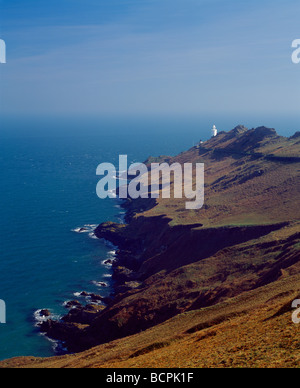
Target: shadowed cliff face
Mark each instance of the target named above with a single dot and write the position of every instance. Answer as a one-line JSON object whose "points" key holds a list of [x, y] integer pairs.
{"points": [[172, 261]]}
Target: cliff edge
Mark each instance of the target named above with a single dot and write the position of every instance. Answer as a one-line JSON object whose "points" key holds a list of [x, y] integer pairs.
{"points": [[176, 267]]}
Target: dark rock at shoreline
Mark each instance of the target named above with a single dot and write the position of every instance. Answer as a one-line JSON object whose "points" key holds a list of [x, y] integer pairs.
{"points": [[72, 304], [95, 297], [92, 296], [110, 231], [83, 314], [65, 332], [170, 259], [44, 313], [101, 284], [72, 326]]}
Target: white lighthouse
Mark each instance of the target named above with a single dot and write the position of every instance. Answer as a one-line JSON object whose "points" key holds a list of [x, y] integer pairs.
{"points": [[214, 131]]}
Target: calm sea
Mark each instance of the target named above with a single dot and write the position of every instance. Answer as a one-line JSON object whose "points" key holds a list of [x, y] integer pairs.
{"points": [[48, 190]]}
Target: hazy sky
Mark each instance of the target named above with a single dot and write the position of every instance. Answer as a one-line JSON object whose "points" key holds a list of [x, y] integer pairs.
{"points": [[107, 57]]}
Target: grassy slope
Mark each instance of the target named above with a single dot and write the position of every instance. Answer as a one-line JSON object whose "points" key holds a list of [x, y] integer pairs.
{"points": [[250, 330], [243, 276], [233, 194]]}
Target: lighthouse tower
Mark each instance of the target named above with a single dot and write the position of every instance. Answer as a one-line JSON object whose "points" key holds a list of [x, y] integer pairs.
{"points": [[214, 131]]}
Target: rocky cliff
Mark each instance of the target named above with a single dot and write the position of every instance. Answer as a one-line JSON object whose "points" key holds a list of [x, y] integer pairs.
{"points": [[172, 261]]}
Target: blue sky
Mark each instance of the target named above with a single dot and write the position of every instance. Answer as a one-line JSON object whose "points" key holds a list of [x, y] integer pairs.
{"points": [[149, 57]]}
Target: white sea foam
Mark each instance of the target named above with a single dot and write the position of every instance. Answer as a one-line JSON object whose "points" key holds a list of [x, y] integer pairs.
{"points": [[104, 262], [42, 318], [87, 228], [99, 284], [111, 257], [38, 317], [79, 230], [57, 346]]}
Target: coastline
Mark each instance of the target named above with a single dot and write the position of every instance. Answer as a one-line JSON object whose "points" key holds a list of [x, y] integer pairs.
{"points": [[79, 330], [84, 302], [61, 330], [165, 269]]}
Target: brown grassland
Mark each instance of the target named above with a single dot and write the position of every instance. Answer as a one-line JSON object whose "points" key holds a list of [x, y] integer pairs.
{"points": [[204, 288]]}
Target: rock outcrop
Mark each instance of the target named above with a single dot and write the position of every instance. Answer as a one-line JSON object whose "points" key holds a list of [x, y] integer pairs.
{"points": [[170, 261]]}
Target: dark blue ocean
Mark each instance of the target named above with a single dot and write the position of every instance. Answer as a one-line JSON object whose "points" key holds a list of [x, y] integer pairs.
{"points": [[48, 190]]}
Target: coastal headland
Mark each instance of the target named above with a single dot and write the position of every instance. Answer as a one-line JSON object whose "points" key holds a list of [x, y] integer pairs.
{"points": [[223, 276]]}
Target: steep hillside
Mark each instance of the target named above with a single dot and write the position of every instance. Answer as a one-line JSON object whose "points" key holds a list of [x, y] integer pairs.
{"points": [[222, 269], [252, 330]]}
